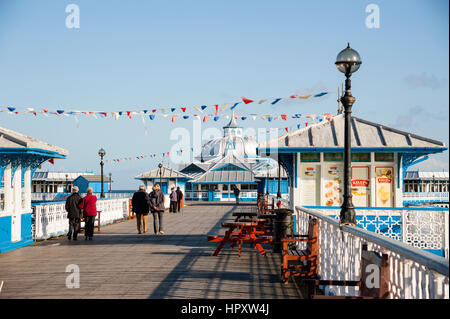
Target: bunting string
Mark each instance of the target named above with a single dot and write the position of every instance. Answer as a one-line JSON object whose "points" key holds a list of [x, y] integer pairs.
{"points": [[165, 112]]}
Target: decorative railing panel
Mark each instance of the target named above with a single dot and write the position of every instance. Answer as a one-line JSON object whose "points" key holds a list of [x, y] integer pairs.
{"points": [[414, 273]]}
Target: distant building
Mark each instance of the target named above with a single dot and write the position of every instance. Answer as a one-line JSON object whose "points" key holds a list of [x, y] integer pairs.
{"points": [[20, 156], [224, 162], [54, 182], [94, 181], [426, 188]]}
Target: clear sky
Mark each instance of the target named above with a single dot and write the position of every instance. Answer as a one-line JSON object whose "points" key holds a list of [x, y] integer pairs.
{"points": [[136, 54]]}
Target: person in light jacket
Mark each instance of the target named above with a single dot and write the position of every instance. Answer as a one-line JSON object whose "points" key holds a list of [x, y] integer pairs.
{"points": [[73, 213], [157, 209], [173, 200], [88, 206]]}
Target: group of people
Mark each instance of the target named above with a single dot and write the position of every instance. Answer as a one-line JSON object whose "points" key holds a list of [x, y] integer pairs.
{"points": [[176, 196], [81, 208], [142, 203]]}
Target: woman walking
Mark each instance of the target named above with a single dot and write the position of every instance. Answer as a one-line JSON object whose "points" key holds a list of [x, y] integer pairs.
{"points": [[173, 200], [88, 206], [157, 209]]}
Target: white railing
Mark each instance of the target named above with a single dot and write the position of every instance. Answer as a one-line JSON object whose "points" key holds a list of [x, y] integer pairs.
{"points": [[63, 196], [414, 273], [425, 228], [50, 220]]}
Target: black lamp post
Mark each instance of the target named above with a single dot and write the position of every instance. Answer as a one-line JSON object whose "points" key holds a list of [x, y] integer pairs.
{"points": [[67, 183], [267, 189], [102, 153], [160, 175], [279, 181], [110, 182], [348, 62]]}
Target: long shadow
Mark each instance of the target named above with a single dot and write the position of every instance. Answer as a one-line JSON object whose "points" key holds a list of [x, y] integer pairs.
{"points": [[218, 278]]}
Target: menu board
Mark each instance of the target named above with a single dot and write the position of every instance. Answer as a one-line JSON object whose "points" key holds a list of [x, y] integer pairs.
{"points": [[384, 193], [332, 185], [308, 178], [360, 186]]}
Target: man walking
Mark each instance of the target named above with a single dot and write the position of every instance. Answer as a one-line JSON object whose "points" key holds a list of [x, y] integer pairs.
{"points": [[179, 198], [141, 206], [236, 194], [73, 213]]}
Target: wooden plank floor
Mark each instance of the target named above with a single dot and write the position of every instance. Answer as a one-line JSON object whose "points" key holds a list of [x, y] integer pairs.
{"points": [[119, 263]]}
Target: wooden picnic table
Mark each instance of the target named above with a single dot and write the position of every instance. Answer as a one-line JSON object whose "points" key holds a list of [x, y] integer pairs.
{"points": [[239, 233], [238, 215]]}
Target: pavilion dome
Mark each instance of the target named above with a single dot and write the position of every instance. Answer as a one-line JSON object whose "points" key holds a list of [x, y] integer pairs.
{"points": [[233, 142]]}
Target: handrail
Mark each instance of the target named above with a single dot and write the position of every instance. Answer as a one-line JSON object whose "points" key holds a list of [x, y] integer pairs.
{"points": [[434, 262]]}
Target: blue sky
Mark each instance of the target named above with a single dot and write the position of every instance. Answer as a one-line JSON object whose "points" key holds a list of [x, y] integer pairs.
{"points": [[134, 54]]}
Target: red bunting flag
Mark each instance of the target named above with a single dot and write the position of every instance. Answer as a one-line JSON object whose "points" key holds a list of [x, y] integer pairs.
{"points": [[217, 109], [306, 124], [246, 101], [174, 117], [287, 130], [284, 117], [183, 109], [293, 96], [52, 161], [205, 118], [130, 114]]}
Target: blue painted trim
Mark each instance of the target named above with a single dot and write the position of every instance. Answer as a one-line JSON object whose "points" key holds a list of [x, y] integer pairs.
{"points": [[33, 151], [354, 149], [383, 208]]}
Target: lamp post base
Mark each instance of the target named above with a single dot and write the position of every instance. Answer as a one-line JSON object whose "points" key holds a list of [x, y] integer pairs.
{"points": [[348, 216]]}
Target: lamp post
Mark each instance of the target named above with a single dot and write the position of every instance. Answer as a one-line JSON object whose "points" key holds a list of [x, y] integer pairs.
{"points": [[279, 181], [102, 153], [160, 175], [267, 188], [110, 182], [67, 183], [348, 62]]}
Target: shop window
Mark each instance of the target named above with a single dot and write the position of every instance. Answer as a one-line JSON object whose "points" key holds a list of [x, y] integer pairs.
{"points": [[384, 157], [333, 157], [360, 157], [310, 157]]}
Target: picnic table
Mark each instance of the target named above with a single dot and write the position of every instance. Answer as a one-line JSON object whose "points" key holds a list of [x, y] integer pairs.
{"points": [[239, 233], [238, 215]]}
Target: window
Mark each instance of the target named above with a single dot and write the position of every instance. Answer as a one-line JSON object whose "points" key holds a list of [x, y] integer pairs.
{"points": [[384, 157], [360, 157], [225, 187], [229, 167], [310, 157], [333, 157]]}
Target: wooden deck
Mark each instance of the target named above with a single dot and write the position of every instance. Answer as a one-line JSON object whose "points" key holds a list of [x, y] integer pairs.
{"points": [[119, 263]]}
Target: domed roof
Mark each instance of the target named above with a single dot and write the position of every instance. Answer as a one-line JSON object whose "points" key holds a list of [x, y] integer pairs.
{"points": [[231, 143]]}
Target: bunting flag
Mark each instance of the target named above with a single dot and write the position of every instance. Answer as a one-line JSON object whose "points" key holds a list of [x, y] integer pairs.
{"points": [[246, 101], [52, 161]]}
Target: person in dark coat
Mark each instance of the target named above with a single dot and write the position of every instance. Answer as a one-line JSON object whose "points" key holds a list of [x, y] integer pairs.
{"points": [[157, 209], [140, 204], [73, 213], [179, 198], [236, 193]]}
